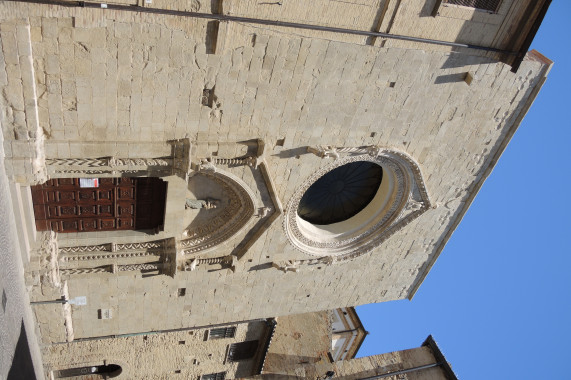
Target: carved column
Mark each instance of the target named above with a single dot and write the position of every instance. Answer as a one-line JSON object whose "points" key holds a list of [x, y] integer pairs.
{"points": [[165, 250], [209, 164], [230, 260]]}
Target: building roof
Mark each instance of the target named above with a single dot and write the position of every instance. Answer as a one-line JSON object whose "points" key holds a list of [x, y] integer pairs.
{"points": [[430, 342]]}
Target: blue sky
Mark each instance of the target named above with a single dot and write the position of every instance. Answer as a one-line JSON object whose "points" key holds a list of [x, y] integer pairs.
{"points": [[498, 300]]}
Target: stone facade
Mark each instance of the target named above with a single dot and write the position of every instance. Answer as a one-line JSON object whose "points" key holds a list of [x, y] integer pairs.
{"points": [[252, 118], [348, 333], [184, 354], [301, 348]]}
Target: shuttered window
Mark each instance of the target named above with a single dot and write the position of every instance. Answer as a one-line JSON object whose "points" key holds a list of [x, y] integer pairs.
{"points": [[487, 5], [221, 333], [214, 376]]}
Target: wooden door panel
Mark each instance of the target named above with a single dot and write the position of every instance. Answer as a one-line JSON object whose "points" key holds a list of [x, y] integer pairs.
{"points": [[105, 194], [126, 181], [88, 211], [105, 210], [87, 195], [64, 182], [71, 225], [67, 211], [125, 223], [55, 211], [64, 196], [89, 225], [125, 193], [40, 211], [106, 182], [125, 209], [63, 206], [107, 224]]}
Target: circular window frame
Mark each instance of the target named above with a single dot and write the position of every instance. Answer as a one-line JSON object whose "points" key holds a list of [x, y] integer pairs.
{"points": [[361, 232]]}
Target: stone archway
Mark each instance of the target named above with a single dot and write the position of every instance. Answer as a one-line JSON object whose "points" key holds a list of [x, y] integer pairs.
{"points": [[235, 208]]}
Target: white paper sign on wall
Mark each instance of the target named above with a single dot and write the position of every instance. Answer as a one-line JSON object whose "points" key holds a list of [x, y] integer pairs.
{"points": [[89, 182]]}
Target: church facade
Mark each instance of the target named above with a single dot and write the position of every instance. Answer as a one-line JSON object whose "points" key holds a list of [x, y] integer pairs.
{"points": [[184, 164]]}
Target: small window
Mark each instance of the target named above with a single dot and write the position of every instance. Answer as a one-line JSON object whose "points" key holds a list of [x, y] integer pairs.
{"points": [[487, 5], [242, 351], [221, 333], [214, 376]]}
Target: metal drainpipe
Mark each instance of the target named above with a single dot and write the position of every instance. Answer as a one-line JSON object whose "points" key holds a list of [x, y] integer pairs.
{"points": [[402, 371], [249, 20]]}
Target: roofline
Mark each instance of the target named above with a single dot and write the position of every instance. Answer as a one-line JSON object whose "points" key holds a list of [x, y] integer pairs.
{"points": [[352, 308], [272, 322], [439, 356], [530, 35], [362, 327], [533, 95], [359, 345]]}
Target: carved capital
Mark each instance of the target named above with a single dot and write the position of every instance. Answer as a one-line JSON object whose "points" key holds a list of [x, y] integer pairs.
{"points": [[263, 212], [206, 165], [324, 151]]}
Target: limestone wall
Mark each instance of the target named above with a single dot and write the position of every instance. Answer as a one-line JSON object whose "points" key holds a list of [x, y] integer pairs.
{"points": [[183, 354], [299, 342]]}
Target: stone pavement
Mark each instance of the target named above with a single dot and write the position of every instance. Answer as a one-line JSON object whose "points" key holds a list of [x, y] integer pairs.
{"points": [[20, 357]]}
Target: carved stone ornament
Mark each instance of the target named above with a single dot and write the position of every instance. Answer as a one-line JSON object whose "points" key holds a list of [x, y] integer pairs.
{"points": [[49, 255], [206, 204], [192, 264], [110, 166], [324, 151], [232, 219], [296, 265], [387, 213]]}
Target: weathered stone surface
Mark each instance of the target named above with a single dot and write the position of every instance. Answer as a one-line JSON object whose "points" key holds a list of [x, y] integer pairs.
{"points": [[105, 83]]}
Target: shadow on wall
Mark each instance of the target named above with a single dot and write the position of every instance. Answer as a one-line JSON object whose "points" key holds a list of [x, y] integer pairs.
{"points": [[22, 366]]}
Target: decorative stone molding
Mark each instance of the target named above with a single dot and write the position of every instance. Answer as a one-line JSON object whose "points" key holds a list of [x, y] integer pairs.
{"points": [[178, 163], [208, 236], [263, 212], [140, 267], [164, 249], [114, 268], [296, 265], [112, 162], [406, 198], [207, 204], [76, 271], [113, 247], [233, 218], [47, 254], [113, 166], [192, 264], [210, 164], [206, 165], [117, 162], [105, 256], [324, 151]]}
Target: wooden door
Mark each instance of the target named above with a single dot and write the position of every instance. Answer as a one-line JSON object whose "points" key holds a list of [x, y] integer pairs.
{"points": [[62, 205]]}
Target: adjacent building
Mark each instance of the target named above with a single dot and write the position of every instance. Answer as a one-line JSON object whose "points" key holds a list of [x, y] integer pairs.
{"points": [[303, 346], [206, 353]]}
